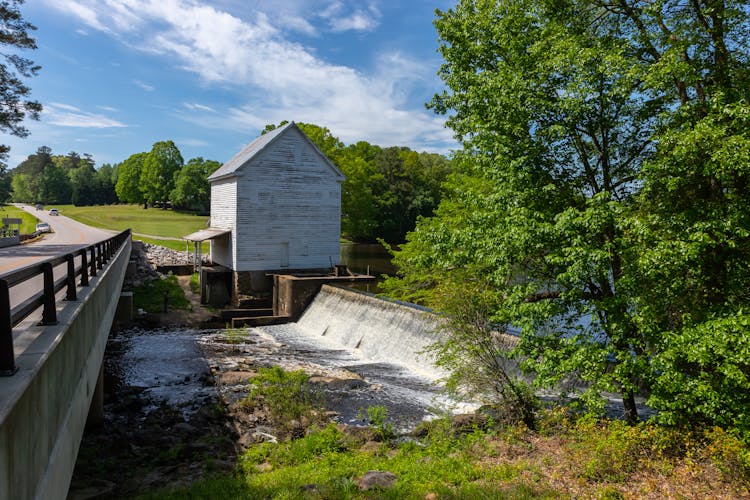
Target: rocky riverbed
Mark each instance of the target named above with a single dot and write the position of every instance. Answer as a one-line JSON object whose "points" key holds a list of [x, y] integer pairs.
{"points": [[174, 397]]}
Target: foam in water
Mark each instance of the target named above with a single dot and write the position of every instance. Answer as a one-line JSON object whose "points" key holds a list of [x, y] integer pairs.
{"points": [[380, 330]]}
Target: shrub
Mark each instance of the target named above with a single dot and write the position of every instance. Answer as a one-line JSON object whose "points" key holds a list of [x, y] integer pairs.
{"points": [[288, 398], [150, 296]]}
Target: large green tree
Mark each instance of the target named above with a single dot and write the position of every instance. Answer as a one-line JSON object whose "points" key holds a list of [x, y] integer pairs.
{"points": [[128, 186], [602, 194], [192, 190], [158, 173], [555, 130], [15, 105], [693, 225]]}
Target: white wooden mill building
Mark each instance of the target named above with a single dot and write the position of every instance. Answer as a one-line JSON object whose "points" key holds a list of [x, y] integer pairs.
{"points": [[275, 208]]}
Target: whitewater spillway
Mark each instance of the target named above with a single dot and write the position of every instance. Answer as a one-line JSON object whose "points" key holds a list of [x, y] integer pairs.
{"points": [[381, 330]]}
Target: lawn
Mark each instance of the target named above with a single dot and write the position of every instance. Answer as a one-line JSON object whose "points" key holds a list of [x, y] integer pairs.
{"points": [[28, 224], [152, 225]]}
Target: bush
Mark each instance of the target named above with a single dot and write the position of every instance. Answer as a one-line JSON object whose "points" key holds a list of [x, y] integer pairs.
{"points": [[289, 399], [479, 356], [195, 285], [150, 295]]}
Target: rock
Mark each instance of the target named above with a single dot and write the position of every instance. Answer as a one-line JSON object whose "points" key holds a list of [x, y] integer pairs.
{"points": [[376, 479], [467, 422], [236, 377], [184, 427], [260, 437], [309, 488], [97, 488], [264, 467]]}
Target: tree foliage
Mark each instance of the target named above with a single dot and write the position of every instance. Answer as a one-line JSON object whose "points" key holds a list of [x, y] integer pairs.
{"points": [[158, 173], [386, 189], [601, 191], [15, 104], [192, 190]]}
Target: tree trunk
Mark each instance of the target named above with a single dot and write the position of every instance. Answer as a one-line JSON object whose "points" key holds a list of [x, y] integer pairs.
{"points": [[631, 412]]}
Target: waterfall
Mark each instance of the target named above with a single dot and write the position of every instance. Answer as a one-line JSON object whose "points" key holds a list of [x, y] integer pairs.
{"points": [[381, 330]]}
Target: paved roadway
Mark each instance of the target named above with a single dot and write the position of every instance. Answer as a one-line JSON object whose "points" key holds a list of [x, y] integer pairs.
{"points": [[67, 236]]}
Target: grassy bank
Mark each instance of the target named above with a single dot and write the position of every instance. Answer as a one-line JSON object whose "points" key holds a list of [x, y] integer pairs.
{"points": [[566, 457], [28, 221], [152, 225]]}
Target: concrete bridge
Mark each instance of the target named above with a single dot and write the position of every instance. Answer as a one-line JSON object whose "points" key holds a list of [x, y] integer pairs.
{"points": [[53, 367]]}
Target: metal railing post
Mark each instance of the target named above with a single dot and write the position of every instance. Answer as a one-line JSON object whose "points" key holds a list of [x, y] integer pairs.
{"points": [[70, 293], [49, 314], [7, 358], [93, 260], [84, 269], [99, 257]]}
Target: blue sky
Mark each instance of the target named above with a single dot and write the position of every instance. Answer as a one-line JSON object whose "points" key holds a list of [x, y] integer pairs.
{"points": [[119, 75]]}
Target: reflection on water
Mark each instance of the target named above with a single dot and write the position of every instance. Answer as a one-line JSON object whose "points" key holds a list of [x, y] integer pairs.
{"points": [[367, 258]]}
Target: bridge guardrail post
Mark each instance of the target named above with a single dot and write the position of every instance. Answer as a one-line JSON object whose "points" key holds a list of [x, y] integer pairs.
{"points": [[84, 269], [93, 260], [70, 293], [7, 358], [99, 257], [49, 314]]}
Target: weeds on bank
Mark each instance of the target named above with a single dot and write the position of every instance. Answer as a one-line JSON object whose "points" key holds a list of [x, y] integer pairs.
{"points": [[195, 285], [566, 456], [150, 296], [290, 402], [233, 335]]}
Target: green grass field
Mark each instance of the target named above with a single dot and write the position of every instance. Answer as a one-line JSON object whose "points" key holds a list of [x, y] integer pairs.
{"points": [[28, 224], [152, 225]]}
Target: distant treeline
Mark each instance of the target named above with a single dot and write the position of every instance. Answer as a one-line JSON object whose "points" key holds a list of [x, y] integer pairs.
{"points": [[386, 191]]}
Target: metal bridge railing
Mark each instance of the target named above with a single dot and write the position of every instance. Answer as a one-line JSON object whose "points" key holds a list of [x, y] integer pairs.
{"points": [[92, 259]]}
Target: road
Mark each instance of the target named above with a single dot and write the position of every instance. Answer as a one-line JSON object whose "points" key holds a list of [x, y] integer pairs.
{"points": [[68, 235]]}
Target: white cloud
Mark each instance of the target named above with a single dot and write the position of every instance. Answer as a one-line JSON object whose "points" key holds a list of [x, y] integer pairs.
{"points": [[65, 115], [194, 143], [108, 108], [249, 52], [342, 19], [194, 106], [144, 86]]}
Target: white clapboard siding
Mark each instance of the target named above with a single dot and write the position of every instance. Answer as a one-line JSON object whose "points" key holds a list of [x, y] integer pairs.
{"points": [[287, 206], [223, 216]]}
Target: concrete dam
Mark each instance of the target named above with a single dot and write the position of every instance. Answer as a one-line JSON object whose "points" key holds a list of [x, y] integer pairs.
{"points": [[381, 330]]}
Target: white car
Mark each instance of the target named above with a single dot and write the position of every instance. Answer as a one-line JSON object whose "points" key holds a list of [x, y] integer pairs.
{"points": [[54, 211], [43, 227]]}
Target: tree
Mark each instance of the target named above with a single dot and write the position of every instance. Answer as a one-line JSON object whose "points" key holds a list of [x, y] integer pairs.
{"points": [[14, 103], [555, 129], [192, 190], [158, 174], [33, 168], [129, 179], [603, 192], [691, 228], [23, 189], [385, 189], [54, 185], [83, 186], [105, 185]]}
